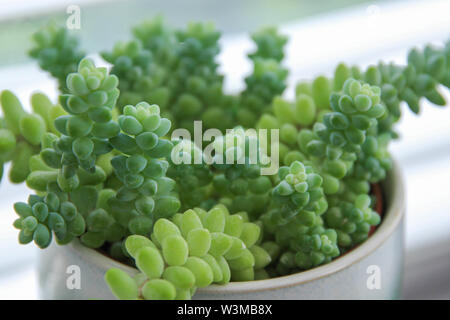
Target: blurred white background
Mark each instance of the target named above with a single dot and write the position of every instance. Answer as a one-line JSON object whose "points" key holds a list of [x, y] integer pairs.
{"points": [[360, 34]]}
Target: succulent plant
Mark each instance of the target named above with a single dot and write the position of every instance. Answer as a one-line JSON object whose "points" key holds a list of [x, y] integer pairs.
{"points": [[104, 170]]}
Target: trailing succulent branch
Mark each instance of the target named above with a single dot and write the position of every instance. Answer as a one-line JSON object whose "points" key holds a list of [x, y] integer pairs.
{"points": [[175, 69], [104, 170], [239, 182], [20, 132], [57, 51], [268, 79], [192, 250], [193, 180]]}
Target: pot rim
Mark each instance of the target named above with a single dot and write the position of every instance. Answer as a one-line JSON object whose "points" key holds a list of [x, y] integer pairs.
{"points": [[393, 191]]}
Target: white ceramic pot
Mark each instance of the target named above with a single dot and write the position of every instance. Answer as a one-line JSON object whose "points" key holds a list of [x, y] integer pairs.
{"points": [[374, 270]]}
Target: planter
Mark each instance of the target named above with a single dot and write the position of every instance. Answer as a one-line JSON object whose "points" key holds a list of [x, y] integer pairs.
{"points": [[352, 276]]}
